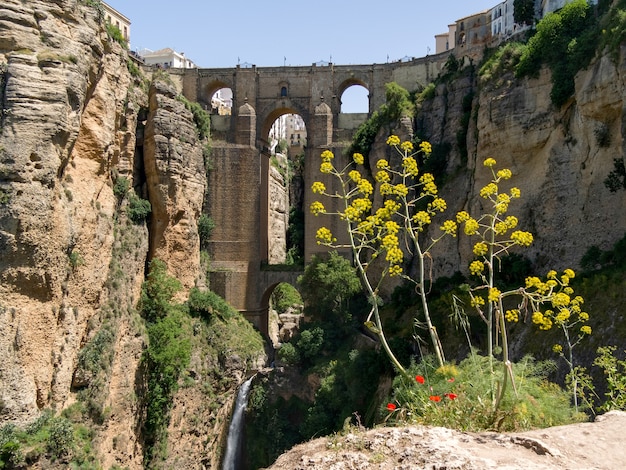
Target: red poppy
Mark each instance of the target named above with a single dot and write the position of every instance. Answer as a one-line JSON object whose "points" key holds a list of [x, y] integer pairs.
{"points": [[391, 406], [451, 379], [419, 379], [435, 398], [451, 396]]}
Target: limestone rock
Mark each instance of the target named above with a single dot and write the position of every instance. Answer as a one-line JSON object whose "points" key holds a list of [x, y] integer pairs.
{"points": [[422, 447]]}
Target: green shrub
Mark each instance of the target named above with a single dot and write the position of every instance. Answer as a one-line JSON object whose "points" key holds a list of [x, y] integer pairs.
{"points": [[167, 355], [565, 40], [460, 397], [284, 297], [157, 291], [205, 304], [200, 117], [116, 35], [205, 228], [614, 371], [616, 179], [289, 354], [10, 448], [61, 438], [121, 187], [327, 285], [138, 209]]}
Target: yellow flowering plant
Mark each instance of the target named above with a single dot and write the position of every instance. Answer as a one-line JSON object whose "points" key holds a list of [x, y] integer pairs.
{"points": [[378, 232], [496, 233]]}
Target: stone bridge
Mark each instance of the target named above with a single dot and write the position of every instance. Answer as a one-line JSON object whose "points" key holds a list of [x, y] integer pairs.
{"points": [[238, 195]]}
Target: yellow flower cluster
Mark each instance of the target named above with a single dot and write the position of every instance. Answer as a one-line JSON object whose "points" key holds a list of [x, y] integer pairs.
{"points": [[406, 146], [522, 238], [428, 184], [355, 176], [512, 315], [449, 227], [480, 249], [365, 187], [355, 211], [488, 190], [317, 208], [542, 321], [476, 267], [426, 147], [318, 187], [421, 218], [382, 176], [438, 204], [494, 294], [326, 168], [410, 166], [504, 174], [489, 162], [471, 226], [393, 140], [358, 159], [382, 164], [324, 236]]}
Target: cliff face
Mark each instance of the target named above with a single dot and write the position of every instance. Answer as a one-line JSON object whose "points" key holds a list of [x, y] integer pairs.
{"points": [[61, 107], [559, 158], [71, 261]]}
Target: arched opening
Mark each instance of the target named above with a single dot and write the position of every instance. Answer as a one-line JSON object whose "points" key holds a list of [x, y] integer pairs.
{"points": [[286, 143], [222, 102], [355, 99], [285, 313]]}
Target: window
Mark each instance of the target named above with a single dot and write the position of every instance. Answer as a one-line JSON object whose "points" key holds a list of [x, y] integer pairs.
{"points": [[283, 91]]}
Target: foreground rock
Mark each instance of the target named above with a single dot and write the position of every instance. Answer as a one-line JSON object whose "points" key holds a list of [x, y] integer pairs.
{"points": [[589, 446]]}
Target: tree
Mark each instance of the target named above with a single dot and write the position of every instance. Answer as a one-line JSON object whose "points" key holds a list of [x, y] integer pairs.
{"points": [[524, 11], [327, 284]]}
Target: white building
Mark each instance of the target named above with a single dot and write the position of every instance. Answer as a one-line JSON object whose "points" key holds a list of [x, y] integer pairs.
{"points": [[503, 20], [166, 58]]}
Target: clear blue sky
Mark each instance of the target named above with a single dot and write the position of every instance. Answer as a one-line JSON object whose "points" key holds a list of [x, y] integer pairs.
{"points": [[271, 33]]}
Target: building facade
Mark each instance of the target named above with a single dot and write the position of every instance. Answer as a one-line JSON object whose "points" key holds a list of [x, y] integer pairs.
{"points": [[114, 17]]}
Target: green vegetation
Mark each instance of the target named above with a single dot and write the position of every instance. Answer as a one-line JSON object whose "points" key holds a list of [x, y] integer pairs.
{"points": [[502, 61], [116, 35], [167, 355], [327, 285], [566, 41], [134, 69], [613, 28], [206, 225], [200, 117], [398, 105], [138, 209], [284, 297], [59, 440], [616, 179], [459, 397], [524, 11]]}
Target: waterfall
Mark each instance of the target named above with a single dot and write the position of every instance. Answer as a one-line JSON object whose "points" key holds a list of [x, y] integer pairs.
{"points": [[232, 456]]}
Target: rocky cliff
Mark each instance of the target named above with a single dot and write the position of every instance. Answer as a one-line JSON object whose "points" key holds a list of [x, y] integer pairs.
{"points": [[86, 138], [560, 157]]}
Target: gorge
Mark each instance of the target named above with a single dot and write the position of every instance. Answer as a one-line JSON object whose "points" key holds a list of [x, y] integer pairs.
{"points": [[105, 167]]}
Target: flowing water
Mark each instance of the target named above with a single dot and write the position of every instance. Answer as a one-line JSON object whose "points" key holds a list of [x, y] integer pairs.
{"points": [[232, 457]]}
